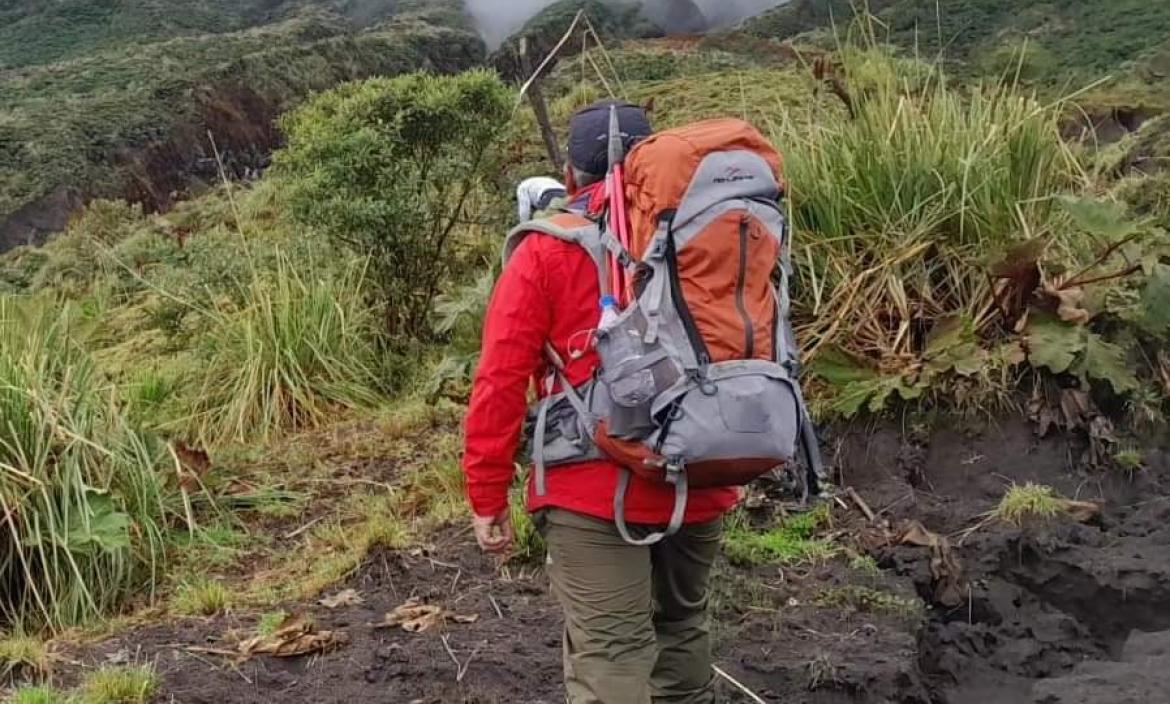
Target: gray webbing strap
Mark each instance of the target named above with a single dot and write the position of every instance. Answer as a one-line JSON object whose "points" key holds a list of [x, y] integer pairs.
{"points": [[676, 517], [541, 478], [542, 420]]}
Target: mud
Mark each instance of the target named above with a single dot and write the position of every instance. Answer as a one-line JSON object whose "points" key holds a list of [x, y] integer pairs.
{"points": [[1061, 613]]}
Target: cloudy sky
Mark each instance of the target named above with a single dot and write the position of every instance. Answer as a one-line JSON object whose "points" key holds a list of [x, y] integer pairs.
{"points": [[499, 18]]}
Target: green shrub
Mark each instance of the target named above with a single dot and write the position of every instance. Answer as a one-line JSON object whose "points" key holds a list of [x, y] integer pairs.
{"points": [[82, 496], [386, 168], [792, 542]]}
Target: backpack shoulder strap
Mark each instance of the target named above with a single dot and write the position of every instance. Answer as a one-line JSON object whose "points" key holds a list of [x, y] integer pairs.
{"points": [[568, 227]]}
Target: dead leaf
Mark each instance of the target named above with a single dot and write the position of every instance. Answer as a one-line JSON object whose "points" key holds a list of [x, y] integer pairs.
{"points": [[950, 587], [346, 597], [1069, 303], [195, 462], [296, 636], [1076, 408], [1082, 511], [416, 617]]}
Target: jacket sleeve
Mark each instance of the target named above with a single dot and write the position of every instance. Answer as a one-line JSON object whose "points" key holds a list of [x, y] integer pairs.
{"points": [[519, 318]]}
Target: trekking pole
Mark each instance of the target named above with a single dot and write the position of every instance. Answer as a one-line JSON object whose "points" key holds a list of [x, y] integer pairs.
{"points": [[616, 197]]}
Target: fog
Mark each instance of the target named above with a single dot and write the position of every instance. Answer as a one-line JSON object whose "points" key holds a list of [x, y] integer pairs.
{"points": [[498, 19]]}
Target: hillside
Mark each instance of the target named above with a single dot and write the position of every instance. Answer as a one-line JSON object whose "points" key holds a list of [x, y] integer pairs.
{"points": [[1069, 42], [119, 112]]}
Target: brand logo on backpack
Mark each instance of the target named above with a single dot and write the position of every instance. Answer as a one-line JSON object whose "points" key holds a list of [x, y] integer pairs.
{"points": [[734, 174]]}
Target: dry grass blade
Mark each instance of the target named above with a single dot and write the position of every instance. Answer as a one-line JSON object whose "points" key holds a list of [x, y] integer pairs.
{"points": [[346, 597]]}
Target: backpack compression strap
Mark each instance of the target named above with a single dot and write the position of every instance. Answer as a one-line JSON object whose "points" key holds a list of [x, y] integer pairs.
{"points": [[679, 479]]}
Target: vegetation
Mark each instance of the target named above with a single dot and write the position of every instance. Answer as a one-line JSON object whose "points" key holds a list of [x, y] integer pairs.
{"points": [[792, 542], [299, 348], [84, 493], [24, 654], [38, 695], [868, 600], [613, 20], [132, 120], [130, 684], [387, 168], [1028, 502], [1066, 42], [203, 597]]}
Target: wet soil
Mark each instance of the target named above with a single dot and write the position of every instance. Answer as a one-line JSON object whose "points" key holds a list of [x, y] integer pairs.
{"points": [[1059, 613]]}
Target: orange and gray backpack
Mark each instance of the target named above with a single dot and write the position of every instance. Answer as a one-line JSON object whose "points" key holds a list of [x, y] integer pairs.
{"points": [[697, 383]]}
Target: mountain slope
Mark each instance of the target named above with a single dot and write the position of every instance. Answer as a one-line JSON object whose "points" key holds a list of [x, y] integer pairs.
{"points": [[132, 120], [1072, 38]]}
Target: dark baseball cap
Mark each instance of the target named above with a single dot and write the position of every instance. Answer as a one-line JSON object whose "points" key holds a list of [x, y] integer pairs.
{"points": [[589, 133]]}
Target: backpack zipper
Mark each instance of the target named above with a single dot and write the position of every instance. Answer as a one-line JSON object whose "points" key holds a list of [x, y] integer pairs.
{"points": [[684, 312], [749, 330]]}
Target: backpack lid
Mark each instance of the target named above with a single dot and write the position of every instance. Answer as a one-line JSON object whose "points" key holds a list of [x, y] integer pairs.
{"points": [[686, 170]]}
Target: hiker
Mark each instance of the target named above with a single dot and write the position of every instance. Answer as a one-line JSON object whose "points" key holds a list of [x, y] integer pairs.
{"points": [[536, 195], [632, 526]]}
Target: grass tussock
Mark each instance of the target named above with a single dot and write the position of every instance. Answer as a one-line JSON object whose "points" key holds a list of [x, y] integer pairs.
{"points": [[203, 597], [25, 655], [83, 492], [131, 684], [300, 349], [899, 209], [1029, 502]]}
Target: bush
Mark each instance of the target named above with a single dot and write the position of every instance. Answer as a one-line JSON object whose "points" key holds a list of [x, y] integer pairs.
{"points": [[82, 497], [387, 166]]}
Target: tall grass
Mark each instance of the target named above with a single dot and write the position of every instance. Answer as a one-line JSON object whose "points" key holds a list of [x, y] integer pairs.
{"points": [[900, 209], [83, 503], [302, 347]]}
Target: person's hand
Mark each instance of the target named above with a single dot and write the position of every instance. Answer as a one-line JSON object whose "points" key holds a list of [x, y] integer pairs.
{"points": [[494, 533]]}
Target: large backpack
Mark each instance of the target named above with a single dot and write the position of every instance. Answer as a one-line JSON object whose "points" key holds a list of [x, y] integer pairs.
{"points": [[697, 382]]}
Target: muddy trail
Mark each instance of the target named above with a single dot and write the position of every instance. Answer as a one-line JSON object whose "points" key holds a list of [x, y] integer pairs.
{"points": [[1066, 612]]}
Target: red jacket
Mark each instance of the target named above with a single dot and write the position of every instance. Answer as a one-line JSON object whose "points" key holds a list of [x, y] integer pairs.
{"points": [[549, 291]]}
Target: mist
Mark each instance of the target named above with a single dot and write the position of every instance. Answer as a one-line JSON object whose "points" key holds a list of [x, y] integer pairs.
{"points": [[499, 19]]}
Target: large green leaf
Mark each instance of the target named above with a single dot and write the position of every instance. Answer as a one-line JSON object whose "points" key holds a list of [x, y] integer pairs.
{"points": [[1106, 362], [1156, 301], [952, 346], [839, 369], [1104, 218], [1053, 343], [873, 394], [105, 529]]}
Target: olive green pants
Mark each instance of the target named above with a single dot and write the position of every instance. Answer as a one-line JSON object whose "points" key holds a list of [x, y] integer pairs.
{"points": [[636, 628]]}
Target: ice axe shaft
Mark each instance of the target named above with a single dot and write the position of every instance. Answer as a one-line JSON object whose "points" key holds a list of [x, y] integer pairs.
{"points": [[616, 201]]}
